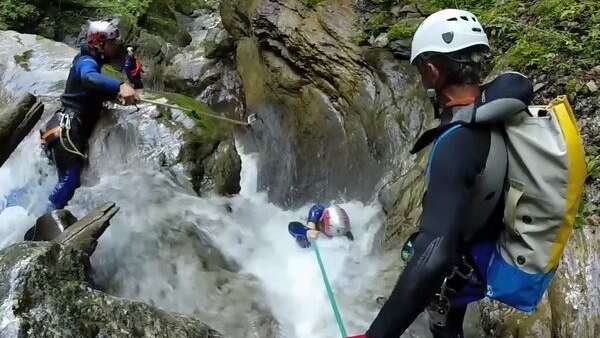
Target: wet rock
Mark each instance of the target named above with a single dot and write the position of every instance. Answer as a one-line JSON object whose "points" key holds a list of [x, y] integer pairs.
{"points": [[205, 69], [16, 121], [336, 113], [224, 168], [538, 86], [592, 86], [381, 41], [44, 289], [30, 63], [407, 10], [401, 48]]}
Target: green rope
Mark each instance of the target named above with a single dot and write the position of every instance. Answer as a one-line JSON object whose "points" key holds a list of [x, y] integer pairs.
{"points": [[336, 311]]}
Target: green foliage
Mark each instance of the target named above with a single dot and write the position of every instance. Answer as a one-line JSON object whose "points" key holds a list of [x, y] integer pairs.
{"points": [[593, 166], [61, 17], [18, 14]]}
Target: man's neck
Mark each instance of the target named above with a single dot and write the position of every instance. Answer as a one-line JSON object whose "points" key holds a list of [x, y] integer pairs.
{"points": [[459, 95]]}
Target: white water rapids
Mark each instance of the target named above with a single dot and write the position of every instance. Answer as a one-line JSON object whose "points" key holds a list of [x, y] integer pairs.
{"points": [[151, 251]]}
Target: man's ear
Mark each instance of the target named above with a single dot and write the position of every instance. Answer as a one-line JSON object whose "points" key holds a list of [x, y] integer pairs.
{"points": [[433, 73]]}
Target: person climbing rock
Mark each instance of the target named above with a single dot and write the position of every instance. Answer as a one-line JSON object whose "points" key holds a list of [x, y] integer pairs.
{"points": [[332, 222], [133, 69], [66, 134], [463, 205]]}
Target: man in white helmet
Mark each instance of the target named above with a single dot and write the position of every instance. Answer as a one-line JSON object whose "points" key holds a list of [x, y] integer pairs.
{"points": [[463, 206], [86, 90]]}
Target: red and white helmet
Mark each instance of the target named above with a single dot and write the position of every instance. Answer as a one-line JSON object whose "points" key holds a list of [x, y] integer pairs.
{"points": [[335, 221], [99, 32]]}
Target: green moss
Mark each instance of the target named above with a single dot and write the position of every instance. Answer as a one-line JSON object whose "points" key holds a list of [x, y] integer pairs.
{"points": [[312, 3], [23, 59], [401, 30], [18, 14], [211, 129]]}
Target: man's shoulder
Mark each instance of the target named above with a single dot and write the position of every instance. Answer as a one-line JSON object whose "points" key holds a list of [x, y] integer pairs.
{"points": [[508, 85]]}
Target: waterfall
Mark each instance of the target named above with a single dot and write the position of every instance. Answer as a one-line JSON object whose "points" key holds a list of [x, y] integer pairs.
{"points": [[228, 261]]}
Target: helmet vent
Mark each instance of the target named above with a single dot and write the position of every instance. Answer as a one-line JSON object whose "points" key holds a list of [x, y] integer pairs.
{"points": [[452, 19], [477, 30], [464, 18], [474, 19]]}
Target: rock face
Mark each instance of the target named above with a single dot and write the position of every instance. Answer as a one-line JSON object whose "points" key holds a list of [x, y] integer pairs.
{"points": [[16, 122], [29, 63], [332, 113], [44, 293], [205, 68]]}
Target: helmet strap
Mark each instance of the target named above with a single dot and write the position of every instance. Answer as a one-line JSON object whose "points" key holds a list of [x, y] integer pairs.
{"points": [[432, 94]]}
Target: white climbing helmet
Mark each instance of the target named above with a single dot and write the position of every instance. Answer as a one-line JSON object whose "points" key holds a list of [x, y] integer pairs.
{"points": [[447, 31], [335, 221]]}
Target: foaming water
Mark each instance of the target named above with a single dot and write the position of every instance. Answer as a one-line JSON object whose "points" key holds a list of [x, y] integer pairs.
{"points": [[29, 178], [224, 260]]}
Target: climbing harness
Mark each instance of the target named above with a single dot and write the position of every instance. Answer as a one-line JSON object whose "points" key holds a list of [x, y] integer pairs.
{"points": [[334, 307], [62, 131], [439, 308], [251, 119]]}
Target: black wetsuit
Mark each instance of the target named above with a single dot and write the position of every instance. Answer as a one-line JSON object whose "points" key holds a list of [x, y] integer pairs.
{"points": [[459, 157]]}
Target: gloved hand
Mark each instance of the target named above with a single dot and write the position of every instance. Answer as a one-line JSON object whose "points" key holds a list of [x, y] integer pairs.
{"points": [[127, 95], [359, 336], [312, 234]]}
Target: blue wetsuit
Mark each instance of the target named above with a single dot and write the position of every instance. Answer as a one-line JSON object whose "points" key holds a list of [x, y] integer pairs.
{"points": [[85, 92], [299, 230]]}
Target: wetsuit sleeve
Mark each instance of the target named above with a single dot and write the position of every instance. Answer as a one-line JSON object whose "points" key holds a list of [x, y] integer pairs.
{"points": [[456, 161], [315, 213], [93, 80]]}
